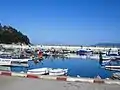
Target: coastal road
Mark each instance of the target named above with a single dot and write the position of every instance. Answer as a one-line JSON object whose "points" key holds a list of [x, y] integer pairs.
{"points": [[17, 83]]}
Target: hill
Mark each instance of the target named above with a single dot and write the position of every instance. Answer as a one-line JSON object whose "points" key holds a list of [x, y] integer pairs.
{"points": [[9, 35]]}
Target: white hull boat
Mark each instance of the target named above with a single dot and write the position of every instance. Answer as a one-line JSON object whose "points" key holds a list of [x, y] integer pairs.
{"points": [[106, 58], [114, 68], [58, 72], [9, 62], [38, 71], [118, 67], [14, 60], [21, 60], [5, 61]]}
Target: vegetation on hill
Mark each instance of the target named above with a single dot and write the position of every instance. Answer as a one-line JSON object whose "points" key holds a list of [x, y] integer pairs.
{"points": [[9, 35]]}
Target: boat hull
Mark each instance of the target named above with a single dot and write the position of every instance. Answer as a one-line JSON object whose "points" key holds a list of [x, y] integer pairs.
{"points": [[57, 74], [38, 71], [14, 60], [113, 68]]}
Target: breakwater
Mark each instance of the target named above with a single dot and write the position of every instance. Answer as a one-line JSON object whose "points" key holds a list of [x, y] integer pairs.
{"points": [[74, 48]]}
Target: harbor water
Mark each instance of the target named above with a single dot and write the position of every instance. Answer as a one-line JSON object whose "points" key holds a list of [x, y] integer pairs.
{"points": [[82, 67]]}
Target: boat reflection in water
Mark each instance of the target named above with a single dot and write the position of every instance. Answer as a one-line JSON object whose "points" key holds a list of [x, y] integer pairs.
{"points": [[5, 68], [113, 65]]}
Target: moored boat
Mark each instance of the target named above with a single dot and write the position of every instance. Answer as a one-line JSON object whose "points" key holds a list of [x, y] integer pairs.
{"points": [[114, 68], [106, 58], [38, 71], [9, 62], [5, 61], [14, 60]]}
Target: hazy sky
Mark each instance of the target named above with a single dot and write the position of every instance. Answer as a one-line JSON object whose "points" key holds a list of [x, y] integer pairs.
{"points": [[64, 21]]}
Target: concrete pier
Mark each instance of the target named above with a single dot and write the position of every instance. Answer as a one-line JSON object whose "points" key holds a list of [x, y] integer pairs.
{"points": [[61, 78], [17, 83]]}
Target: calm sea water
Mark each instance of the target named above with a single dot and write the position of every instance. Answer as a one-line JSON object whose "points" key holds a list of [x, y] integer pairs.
{"points": [[81, 67]]}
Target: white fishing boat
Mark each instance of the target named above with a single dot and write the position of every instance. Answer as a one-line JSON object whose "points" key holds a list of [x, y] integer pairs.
{"points": [[15, 60], [38, 71], [9, 62], [5, 61], [21, 60], [106, 57], [114, 68], [58, 72]]}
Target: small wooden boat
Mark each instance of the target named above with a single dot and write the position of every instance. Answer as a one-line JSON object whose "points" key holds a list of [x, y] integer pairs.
{"points": [[38, 71]]}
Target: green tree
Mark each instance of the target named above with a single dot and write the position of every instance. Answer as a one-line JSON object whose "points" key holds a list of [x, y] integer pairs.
{"points": [[10, 35]]}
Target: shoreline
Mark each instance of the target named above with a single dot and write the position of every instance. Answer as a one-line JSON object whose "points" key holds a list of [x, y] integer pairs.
{"points": [[61, 78]]}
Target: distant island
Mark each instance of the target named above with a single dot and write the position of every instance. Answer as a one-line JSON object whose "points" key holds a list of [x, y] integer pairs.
{"points": [[9, 35], [107, 44]]}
